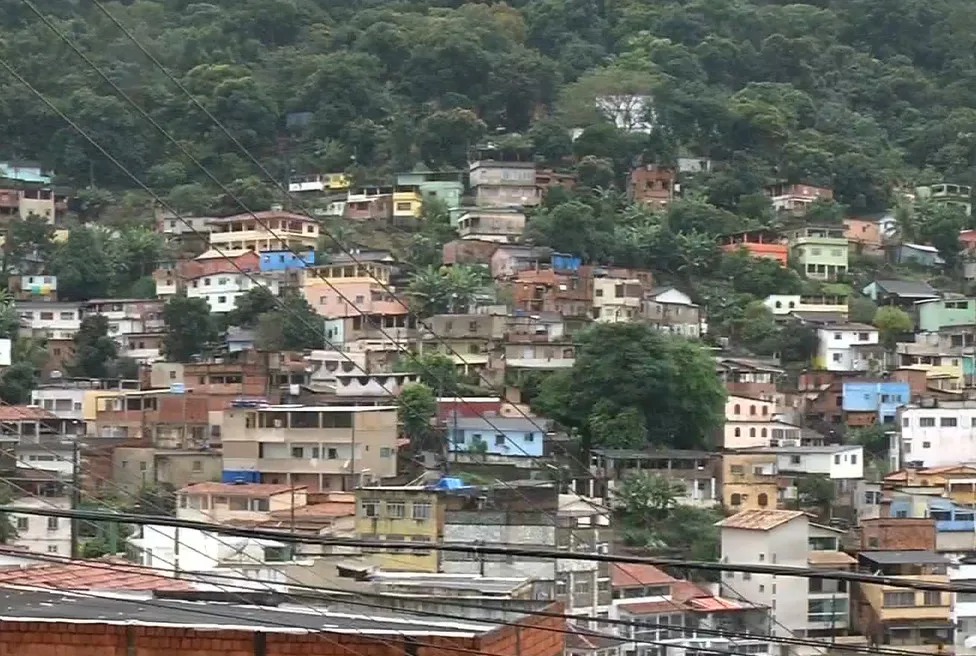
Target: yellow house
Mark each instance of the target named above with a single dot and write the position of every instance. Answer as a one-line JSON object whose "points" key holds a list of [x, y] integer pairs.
{"points": [[406, 513], [917, 619], [749, 481], [407, 202], [944, 370]]}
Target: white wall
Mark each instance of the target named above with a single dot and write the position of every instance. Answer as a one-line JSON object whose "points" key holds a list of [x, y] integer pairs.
{"points": [[220, 290], [834, 351], [940, 443], [963, 611], [61, 320], [847, 464], [785, 595], [43, 534], [65, 403]]}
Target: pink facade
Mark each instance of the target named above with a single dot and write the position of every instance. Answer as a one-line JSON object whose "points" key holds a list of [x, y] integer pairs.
{"points": [[351, 298]]}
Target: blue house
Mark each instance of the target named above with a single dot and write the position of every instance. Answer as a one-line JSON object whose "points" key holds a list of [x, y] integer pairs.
{"points": [[503, 436], [285, 260], [881, 397]]}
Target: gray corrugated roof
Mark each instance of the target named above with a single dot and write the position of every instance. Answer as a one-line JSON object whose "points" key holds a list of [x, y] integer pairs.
{"points": [[907, 288], [909, 557]]}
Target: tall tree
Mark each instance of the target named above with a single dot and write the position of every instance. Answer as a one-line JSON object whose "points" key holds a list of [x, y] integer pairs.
{"points": [[190, 329], [94, 349]]}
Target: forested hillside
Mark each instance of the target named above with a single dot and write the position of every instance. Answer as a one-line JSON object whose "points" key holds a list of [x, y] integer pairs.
{"points": [[853, 94]]}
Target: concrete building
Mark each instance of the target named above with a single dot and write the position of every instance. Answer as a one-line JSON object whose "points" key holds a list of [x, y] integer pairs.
{"points": [[517, 437], [500, 184], [783, 305], [411, 513], [651, 185], [695, 474], [44, 535], [321, 447], [807, 607], [837, 347], [272, 230], [221, 290], [750, 481], [617, 300], [49, 320], [902, 617], [874, 402], [496, 224], [952, 195], [672, 311], [934, 314], [963, 608], [159, 417], [935, 436], [137, 467], [821, 252]]}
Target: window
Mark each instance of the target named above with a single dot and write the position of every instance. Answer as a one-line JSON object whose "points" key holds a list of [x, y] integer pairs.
{"points": [[221, 300], [752, 410], [932, 598], [926, 422], [837, 357], [862, 337], [396, 509], [762, 499], [735, 499], [420, 511], [752, 432], [332, 454], [22, 523], [794, 460], [837, 459], [297, 452], [52, 523], [529, 437], [52, 548], [853, 458], [499, 440], [371, 508], [836, 335], [403, 207], [899, 599], [47, 316], [737, 409], [386, 452], [947, 422], [197, 466], [67, 315], [738, 432]]}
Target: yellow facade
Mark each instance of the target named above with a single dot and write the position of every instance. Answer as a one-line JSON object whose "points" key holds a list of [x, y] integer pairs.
{"points": [[401, 514], [407, 203], [749, 482], [336, 181], [919, 610], [945, 367]]}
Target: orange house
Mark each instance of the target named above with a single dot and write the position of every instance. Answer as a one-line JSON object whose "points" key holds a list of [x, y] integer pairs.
{"points": [[759, 243], [865, 233]]}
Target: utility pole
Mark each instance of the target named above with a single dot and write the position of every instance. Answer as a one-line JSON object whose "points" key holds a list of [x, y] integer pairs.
{"points": [[75, 496]]}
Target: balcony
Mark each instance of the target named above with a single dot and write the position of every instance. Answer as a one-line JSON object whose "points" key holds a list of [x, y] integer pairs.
{"points": [[302, 466]]}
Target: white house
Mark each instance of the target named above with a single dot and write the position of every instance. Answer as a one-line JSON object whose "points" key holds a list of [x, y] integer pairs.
{"points": [[221, 290], [935, 436], [837, 461], [963, 611], [50, 535], [670, 310], [787, 538], [838, 346], [49, 319], [64, 402]]}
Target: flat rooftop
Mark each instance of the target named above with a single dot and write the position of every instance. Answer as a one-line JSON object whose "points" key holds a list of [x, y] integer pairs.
{"points": [[908, 557], [19, 604]]}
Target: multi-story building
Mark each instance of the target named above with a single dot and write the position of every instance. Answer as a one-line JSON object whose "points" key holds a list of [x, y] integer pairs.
{"points": [[407, 202], [403, 513], [318, 182], [698, 473], [547, 291], [48, 319], [864, 234], [46, 535], [944, 434], [903, 294], [445, 186], [750, 481], [33, 288], [651, 185], [367, 203], [285, 260], [496, 224], [136, 467], [751, 378], [157, 417], [25, 190], [321, 447], [528, 353], [221, 290], [837, 348], [507, 260], [129, 317], [272, 230], [617, 300], [353, 289], [535, 516], [786, 538], [672, 311], [228, 502], [835, 461], [899, 617], [874, 402], [758, 243], [821, 252], [500, 184], [952, 195], [171, 278], [963, 608], [796, 198], [759, 432]]}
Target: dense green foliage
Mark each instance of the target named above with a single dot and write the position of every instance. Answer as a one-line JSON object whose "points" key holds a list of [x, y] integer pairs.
{"points": [[856, 94], [631, 385]]}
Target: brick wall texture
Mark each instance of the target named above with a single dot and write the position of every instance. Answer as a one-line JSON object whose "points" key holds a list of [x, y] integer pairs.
{"points": [[897, 533], [69, 639]]}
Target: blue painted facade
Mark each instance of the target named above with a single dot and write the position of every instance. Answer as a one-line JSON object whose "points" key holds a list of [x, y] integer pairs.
{"points": [[285, 260], [948, 516], [564, 262], [883, 397], [503, 436], [240, 476]]}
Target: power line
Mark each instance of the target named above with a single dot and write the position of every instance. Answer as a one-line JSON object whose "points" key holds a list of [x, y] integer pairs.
{"points": [[776, 570]]}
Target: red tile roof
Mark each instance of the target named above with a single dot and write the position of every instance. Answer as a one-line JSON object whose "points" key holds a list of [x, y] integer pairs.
{"points": [[240, 489], [623, 575], [651, 607], [24, 413], [98, 575]]}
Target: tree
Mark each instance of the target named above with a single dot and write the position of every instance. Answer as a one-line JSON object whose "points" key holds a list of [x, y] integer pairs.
{"points": [[83, 267], [23, 375], [94, 349], [861, 309], [892, 323], [29, 244], [437, 371], [446, 290], [445, 137], [190, 330], [624, 367], [416, 406], [873, 438], [646, 498], [615, 94]]}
